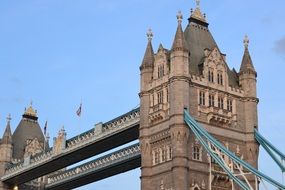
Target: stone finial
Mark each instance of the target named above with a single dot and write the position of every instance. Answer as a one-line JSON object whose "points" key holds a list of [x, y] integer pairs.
{"points": [[149, 34], [246, 41], [198, 3], [197, 14], [179, 17]]}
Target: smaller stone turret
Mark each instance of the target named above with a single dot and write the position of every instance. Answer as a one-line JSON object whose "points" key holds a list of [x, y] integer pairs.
{"points": [[6, 149], [147, 63], [7, 136], [247, 73]]}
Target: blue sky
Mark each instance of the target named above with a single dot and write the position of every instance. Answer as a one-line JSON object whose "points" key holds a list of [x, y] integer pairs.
{"points": [[57, 52]]}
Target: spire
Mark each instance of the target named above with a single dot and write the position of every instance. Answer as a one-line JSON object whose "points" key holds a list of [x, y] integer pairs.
{"points": [[7, 136], [179, 42], [148, 59], [197, 14], [246, 64]]}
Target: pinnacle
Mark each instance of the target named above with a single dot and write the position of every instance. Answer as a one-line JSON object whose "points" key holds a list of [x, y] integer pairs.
{"points": [[149, 54], [246, 64], [7, 136], [179, 42]]}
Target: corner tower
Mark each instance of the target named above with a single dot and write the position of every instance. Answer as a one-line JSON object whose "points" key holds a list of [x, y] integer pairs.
{"points": [[194, 74], [28, 138], [6, 149]]}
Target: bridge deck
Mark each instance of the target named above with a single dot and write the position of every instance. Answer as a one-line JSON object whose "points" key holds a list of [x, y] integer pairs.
{"points": [[118, 162], [120, 131]]}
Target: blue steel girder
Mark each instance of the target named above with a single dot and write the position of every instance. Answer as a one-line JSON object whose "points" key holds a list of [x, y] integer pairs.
{"points": [[112, 164], [203, 133]]}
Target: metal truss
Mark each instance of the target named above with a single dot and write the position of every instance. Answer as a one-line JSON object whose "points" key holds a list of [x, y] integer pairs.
{"points": [[217, 151]]}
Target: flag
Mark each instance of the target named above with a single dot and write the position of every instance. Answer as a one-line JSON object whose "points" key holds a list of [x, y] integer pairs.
{"points": [[45, 129], [78, 112]]}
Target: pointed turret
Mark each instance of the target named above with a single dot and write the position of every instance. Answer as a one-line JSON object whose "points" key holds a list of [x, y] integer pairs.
{"points": [[179, 43], [247, 73], [246, 64], [7, 136], [148, 59]]}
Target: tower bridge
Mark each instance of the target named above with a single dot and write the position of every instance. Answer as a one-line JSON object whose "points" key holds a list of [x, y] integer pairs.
{"points": [[197, 127], [103, 137]]}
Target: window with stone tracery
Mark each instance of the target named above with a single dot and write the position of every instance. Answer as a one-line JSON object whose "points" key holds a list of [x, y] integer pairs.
{"points": [[196, 155], [161, 155]]}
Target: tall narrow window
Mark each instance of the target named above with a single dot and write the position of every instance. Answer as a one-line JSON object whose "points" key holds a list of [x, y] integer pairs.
{"points": [[210, 75], [160, 97], [169, 153], [160, 71], [221, 103], [211, 100], [220, 78], [167, 95], [230, 105], [156, 156], [164, 155], [202, 98], [196, 153]]}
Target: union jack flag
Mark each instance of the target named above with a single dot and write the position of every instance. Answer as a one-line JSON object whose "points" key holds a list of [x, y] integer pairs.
{"points": [[78, 112]]}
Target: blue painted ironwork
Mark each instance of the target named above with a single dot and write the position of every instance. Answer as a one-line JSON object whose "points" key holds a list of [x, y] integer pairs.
{"points": [[271, 150], [203, 133]]}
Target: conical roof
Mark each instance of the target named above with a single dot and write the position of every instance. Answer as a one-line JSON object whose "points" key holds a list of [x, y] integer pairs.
{"points": [[199, 38], [148, 59], [7, 136], [28, 129], [179, 42], [246, 64]]}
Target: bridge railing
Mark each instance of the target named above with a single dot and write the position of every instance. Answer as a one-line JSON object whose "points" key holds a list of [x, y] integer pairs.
{"points": [[77, 142], [97, 164]]}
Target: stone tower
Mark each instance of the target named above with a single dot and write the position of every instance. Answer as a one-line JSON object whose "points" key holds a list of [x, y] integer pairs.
{"points": [[194, 74], [27, 140], [6, 149]]}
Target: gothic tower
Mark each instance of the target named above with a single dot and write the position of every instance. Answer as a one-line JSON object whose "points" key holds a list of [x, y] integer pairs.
{"points": [[6, 149], [194, 74], [27, 140]]}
